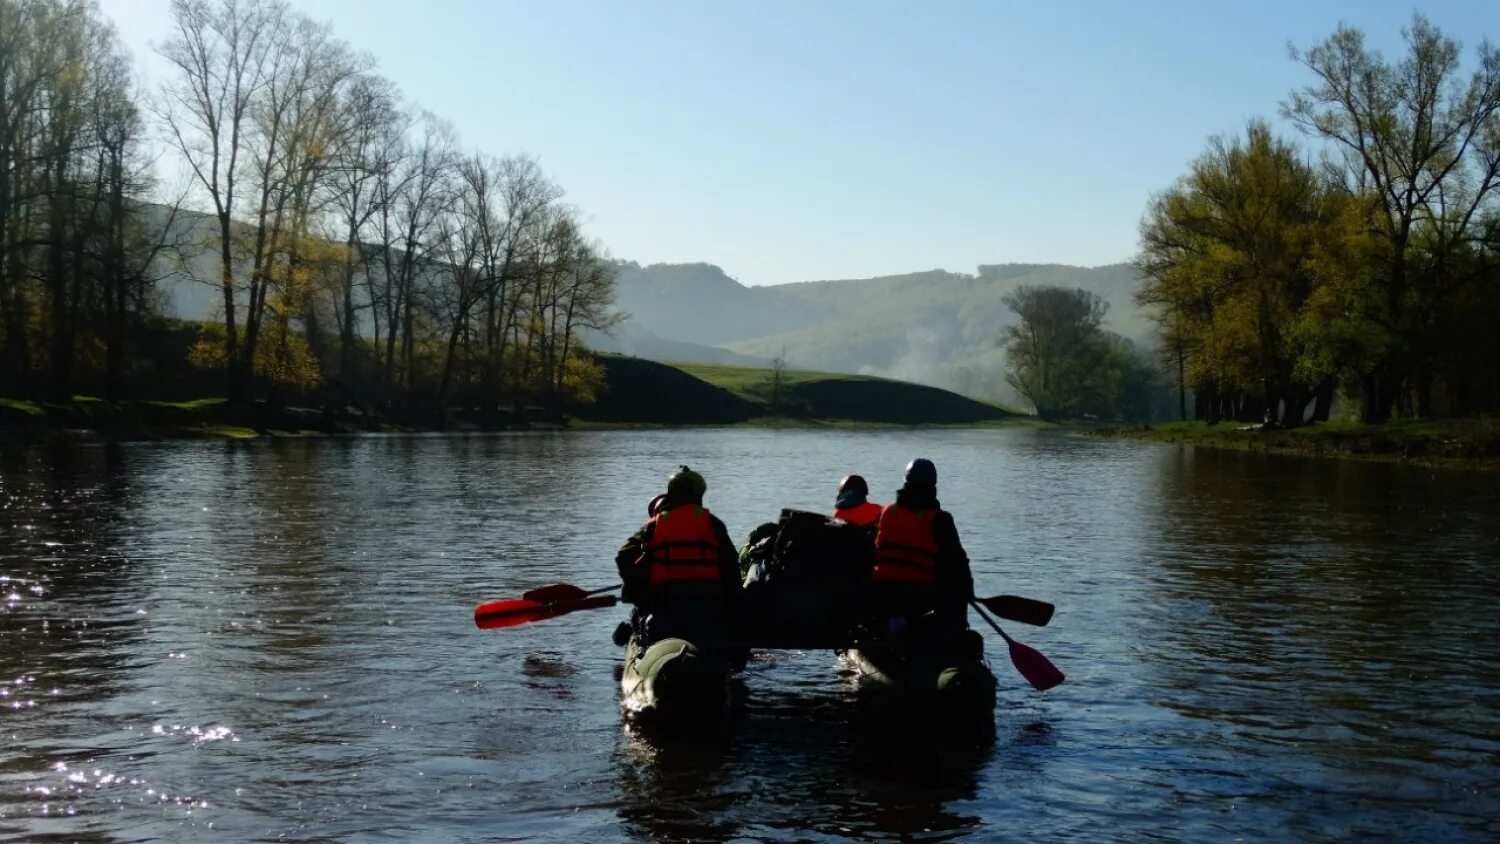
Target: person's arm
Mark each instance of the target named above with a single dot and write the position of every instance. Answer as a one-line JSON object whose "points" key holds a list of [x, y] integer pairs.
{"points": [[954, 577], [729, 561], [629, 560]]}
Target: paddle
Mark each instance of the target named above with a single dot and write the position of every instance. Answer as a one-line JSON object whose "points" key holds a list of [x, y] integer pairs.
{"points": [[1037, 669], [1015, 608], [562, 592], [510, 612]]}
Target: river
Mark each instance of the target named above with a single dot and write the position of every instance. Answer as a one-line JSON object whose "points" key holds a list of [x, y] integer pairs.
{"points": [[273, 640]]}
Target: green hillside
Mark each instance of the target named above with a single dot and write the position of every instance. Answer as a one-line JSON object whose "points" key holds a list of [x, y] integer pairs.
{"points": [[646, 392]]}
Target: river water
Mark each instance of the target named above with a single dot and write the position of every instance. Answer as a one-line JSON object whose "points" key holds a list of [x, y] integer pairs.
{"points": [[257, 641]]}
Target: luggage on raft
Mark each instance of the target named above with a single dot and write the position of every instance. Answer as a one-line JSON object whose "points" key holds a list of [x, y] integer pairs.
{"points": [[806, 582]]}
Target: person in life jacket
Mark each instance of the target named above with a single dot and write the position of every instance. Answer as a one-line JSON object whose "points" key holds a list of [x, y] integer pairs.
{"points": [[681, 570], [921, 574], [852, 505]]}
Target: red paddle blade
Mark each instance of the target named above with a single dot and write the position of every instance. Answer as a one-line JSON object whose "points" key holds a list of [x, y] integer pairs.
{"points": [[513, 619], [1037, 669], [517, 611], [555, 592], [495, 610]]}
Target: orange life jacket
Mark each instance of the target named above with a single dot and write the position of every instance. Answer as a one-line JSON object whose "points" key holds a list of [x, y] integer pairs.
{"points": [[683, 546], [862, 515], [906, 549]]}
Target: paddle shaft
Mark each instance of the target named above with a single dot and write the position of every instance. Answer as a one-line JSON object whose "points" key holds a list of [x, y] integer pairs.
{"points": [[990, 621]]}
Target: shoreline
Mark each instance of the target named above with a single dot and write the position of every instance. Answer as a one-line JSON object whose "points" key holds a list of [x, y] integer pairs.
{"points": [[1463, 443], [92, 420]]}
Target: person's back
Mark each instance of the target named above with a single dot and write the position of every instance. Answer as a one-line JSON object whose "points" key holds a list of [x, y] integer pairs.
{"points": [[680, 568], [921, 573]]}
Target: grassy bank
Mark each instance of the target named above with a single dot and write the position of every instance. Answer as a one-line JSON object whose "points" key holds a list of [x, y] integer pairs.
{"points": [[86, 418], [1470, 442], [638, 393]]}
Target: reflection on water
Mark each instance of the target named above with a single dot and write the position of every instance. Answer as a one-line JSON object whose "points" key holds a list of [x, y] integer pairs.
{"points": [[805, 759], [230, 641]]}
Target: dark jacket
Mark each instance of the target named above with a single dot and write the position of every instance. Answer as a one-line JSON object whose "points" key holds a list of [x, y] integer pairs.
{"points": [[953, 584]]}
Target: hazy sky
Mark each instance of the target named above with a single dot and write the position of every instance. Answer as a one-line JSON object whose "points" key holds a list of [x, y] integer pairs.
{"points": [[791, 141]]}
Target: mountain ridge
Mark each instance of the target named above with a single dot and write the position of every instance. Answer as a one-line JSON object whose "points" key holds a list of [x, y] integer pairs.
{"points": [[936, 327]]}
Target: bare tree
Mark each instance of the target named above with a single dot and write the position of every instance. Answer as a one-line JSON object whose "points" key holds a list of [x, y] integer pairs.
{"points": [[413, 194], [364, 150], [778, 371], [224, 53]]}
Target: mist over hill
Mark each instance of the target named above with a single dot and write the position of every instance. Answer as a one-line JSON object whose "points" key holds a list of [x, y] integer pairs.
{"points": [[935, 327]]}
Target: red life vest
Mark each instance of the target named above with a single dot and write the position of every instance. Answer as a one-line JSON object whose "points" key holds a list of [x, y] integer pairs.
{"points": [[862, 515], [906, 549], [683, 546]]}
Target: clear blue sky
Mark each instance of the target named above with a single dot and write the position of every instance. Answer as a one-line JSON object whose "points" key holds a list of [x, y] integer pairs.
{"points": [[789, 141]]}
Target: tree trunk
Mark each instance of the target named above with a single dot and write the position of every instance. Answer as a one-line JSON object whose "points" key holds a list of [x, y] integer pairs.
{"points": [[1378, 396], [1424, 393], [1252, 408], [346, 330], [1323, 405], [1181, 382], [236, 384]]}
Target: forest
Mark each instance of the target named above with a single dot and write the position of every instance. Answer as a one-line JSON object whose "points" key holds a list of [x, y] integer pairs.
{"points": [[1362, 264], [360, 252]]}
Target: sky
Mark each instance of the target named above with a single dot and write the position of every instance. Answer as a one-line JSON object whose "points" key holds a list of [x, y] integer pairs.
{"points": [[798, 140]]}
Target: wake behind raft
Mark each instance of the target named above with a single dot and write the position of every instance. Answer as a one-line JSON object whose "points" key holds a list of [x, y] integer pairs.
{"points": [[804, 589]]}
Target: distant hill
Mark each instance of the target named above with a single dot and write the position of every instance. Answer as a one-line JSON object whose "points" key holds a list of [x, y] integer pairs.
{"points": [[698, 303], [631, 339], [936, 327], [643, 391]]}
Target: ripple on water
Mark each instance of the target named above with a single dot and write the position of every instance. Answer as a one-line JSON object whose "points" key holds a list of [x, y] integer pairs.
{"points": [[275, 640]]}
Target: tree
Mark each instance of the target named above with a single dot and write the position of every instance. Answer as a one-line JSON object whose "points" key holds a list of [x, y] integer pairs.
{"points": [[1423, 141], [413, 195], [365, 149], [224, 53], [70, 185], [778, 372], [1230, 260], [1052, 347]]}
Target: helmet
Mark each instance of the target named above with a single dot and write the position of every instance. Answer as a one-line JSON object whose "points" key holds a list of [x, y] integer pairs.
{"points": [[854, 482], [921, 472], [685, 483], [656, 504]]}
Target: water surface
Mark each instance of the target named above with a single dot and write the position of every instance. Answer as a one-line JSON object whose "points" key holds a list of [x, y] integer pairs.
{"points": [[274, 641]]}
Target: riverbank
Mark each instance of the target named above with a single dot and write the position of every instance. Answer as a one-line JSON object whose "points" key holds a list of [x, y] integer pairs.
{"points": [[1472, 443], [637, 393], [88, 418]]}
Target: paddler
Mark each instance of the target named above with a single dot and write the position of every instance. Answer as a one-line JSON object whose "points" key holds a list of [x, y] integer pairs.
{"points": [[853, 505], [680, 570], [920, 581]]}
